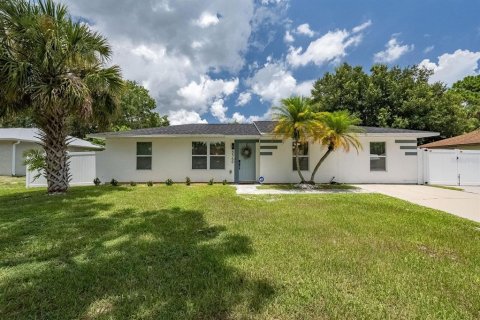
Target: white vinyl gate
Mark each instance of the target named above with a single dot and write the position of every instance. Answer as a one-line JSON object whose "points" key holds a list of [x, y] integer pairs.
{"points": [[82, 170], [449, 167]]}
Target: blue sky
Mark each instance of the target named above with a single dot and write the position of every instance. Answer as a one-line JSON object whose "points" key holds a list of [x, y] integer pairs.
{"points": [[222, 61]]}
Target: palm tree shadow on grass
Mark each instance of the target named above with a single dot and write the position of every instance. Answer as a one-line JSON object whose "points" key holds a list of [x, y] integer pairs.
{"points": [[162, 264]]}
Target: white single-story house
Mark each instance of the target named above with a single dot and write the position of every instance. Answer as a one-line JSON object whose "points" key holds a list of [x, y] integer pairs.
{"points": [[245, 153], [15, 141]]}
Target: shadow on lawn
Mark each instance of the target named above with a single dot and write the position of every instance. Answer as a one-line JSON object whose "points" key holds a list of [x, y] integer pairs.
{"points": [[161, 264]]}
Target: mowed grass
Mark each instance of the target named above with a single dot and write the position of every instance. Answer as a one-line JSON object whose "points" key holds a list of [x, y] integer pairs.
{"points": [[202, 252]]}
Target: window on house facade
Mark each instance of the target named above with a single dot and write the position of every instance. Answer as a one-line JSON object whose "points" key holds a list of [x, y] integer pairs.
{"points": [[217, 155], [199, 155], [302, 156], [144, 156], [378, 156]]}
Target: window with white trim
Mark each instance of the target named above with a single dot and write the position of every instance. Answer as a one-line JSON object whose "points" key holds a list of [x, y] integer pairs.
{"points": [[199, 155], [378, 156], [144, 156], [208, 155], [217, 155], [302, 156]]}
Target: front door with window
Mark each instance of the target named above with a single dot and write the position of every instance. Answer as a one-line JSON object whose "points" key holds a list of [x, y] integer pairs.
{"points": [[245, 161]]}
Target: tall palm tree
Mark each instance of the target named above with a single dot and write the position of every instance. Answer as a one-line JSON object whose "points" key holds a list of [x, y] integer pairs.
{"points": [[54, 67], [335, 130], [296, 121]]}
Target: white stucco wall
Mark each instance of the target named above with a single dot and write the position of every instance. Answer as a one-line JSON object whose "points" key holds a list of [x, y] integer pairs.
{"points": [[5, 158], [6, 148], [345, 167], [171, 159]]}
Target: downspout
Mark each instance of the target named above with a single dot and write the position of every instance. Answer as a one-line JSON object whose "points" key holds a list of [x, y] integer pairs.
{"points": [[14, 152]]}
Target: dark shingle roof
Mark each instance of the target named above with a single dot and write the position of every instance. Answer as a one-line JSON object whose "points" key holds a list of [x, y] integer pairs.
{"points": [[395, 130], [234, 129], [267, 127]]}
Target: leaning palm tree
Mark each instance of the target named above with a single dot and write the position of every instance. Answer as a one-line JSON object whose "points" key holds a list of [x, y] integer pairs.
{"points": [[335, 130], [295, 120], [54, 67]]}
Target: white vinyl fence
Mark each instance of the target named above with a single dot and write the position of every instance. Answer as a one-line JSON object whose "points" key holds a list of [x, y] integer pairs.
{"points": [[449, 167], [82, 170]]}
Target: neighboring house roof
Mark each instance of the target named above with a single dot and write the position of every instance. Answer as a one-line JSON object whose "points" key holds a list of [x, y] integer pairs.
{"points": [[257, 128], [31, 135], [467, 139]]}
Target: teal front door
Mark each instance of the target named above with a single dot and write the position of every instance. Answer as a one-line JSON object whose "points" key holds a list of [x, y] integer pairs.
{"points": [[245, 161]]}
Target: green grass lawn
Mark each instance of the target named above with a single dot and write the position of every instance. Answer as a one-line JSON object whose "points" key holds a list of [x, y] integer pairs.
{"points": [[291, 186], [202, 252]]}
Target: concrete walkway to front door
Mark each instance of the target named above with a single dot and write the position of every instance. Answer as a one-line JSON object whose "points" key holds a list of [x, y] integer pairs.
{"points": [[460, 203]]}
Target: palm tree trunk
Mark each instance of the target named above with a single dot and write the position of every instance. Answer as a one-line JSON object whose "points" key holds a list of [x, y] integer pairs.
{"points": [[297, 161], [54, 139], [312, 178]]}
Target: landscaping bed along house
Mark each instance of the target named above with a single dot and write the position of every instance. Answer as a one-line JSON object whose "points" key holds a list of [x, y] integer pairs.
{"points": [[204, 252]]}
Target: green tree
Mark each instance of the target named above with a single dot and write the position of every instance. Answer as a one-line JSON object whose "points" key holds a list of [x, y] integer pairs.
{"points": [[16, 119], [467, 91], [391, 97], [136, 111], [296, 121], [54, 67], [335, 130]]}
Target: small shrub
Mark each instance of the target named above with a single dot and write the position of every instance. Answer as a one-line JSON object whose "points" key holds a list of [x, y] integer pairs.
{"points": [[188, 181], [210, 182], [97, 182], [133, 183], [169, 182], [224, 182], [114, 182], [150, 183]]}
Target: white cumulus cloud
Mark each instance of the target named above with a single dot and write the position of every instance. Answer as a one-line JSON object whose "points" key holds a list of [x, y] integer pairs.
{"points": [[183, 116], [305, 30], [362, 26], [166, 45], [274, 82], [206, 20], [198, 94], [394, 49], [244, 98], [330, 47], [219, 111], [452, 67], [288, 37]]}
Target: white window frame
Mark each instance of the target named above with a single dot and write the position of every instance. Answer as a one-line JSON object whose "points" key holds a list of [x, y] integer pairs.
{"points": [[208, 155], [301, 156], [143, 156], [218, 156], [370, 156]]}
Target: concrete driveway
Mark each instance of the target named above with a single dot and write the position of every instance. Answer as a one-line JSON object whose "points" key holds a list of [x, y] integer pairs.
{"points": [[464, 204]]}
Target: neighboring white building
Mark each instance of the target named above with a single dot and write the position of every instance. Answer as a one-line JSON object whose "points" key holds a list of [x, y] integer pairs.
{"points": [[15, 141], [243, 153]]}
